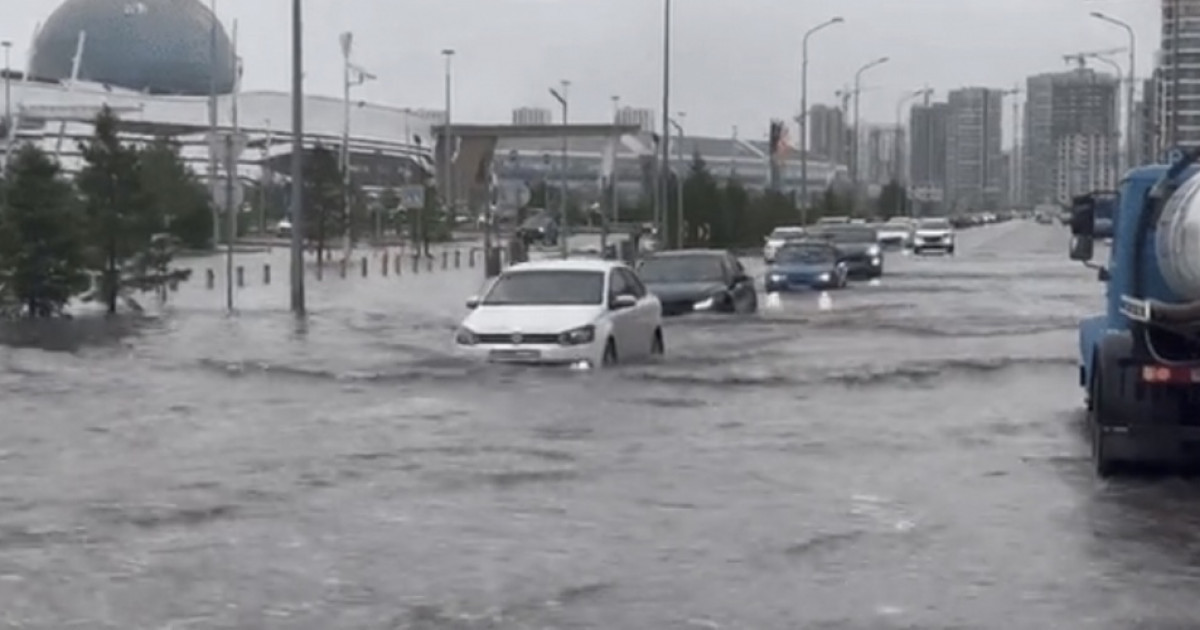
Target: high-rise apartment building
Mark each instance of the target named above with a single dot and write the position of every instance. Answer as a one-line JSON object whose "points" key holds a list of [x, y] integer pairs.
{"points": [[1066, 105], [973, 148], [828, 134], [884, 156], [643, 118], [1146, 122], [927, 125], [1179, 73], [532, 116], [1083, 163]]}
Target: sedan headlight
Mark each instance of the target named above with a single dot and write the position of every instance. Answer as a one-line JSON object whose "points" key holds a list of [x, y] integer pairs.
{"points": [[703, 305], [464, 337], [578, 336], [777, 277], [873, 250], [823, 277]]}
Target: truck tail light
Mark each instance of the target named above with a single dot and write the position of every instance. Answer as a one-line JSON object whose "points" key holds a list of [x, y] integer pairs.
{"points": [[1170, 375]]}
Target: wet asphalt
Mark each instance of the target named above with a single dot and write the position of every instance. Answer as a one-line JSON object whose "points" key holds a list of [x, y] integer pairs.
{"points": [[910, 459]]}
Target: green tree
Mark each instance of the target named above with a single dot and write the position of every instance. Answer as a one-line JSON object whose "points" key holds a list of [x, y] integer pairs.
{"points": [[735, 210], [703, 221], [892, 200], [176, 194], [323, 216], [41, 250], [120, 221]]}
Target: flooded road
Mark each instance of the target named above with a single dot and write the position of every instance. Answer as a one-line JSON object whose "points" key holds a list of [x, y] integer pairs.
{"points": [[911, 459]]}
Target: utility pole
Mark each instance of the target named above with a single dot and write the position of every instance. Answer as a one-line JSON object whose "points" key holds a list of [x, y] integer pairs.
{"points": [[679, 184], [297, 205], [560, 95], [232, 155], [616, 172], [213, 148], [9, 132], [448, 199], [665, 137]]}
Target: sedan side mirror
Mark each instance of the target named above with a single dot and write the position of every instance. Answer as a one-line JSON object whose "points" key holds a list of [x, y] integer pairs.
{"points": [[622, 301], [473, 302]]}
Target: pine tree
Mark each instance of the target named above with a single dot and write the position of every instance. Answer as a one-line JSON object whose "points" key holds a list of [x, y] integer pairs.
{"points": [[176, 194], [41, 253]]}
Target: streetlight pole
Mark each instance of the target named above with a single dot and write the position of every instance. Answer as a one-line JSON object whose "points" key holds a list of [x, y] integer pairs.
{"points": [[854, 149], [899, 176], [665, 137], [560, 95], [612, 184], [1130, 149], [352, 75], [679, 182], [9, 132], [448, 156], [804, 115], [297, 209]]}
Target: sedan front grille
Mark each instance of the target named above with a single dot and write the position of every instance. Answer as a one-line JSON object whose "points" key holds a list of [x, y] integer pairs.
{"points": [[524, 338]]}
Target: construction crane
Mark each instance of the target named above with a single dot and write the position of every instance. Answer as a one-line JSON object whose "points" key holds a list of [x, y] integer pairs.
{"points": [[1082, 57]]}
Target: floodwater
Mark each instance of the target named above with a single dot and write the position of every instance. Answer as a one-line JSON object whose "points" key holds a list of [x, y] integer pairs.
{"points": [[910, 459]]}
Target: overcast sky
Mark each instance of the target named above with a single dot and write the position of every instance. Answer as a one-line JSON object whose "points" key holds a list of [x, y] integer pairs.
{"points": [[735, 62]]}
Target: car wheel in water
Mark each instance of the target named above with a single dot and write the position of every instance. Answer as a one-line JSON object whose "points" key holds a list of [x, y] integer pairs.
{"points": [[749, 305], [658, 347], [610, 353]]}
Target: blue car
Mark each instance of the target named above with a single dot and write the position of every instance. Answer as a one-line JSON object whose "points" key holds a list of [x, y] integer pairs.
{"points": [[806, 265]]}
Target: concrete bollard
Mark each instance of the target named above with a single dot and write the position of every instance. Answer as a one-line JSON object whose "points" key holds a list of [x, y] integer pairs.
{"points": [[241, 276], [266, 274], [471, 258], [416, 262], [399, 259], [383, 265], [210, 278], [364, 266], [429, 263], [342, 268], [457, 258], [445, 259]]}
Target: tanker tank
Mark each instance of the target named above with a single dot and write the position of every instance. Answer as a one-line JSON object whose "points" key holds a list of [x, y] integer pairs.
{"points": [[1177, 243]]}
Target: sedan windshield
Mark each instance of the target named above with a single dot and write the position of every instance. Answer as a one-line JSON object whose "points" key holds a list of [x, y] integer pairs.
{"points": [[806, 255], [554, 288], [683, 269], [850, 235], [935, 224]]}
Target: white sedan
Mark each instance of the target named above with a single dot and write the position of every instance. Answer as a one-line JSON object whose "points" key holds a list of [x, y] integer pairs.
{"points": [[596, 312]]}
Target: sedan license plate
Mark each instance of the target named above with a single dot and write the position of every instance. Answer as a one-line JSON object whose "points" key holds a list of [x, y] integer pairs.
{"points": [[515, 355]]}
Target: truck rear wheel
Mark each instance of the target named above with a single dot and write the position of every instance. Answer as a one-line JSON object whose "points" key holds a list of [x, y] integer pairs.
{"points": [[1098, 418]]}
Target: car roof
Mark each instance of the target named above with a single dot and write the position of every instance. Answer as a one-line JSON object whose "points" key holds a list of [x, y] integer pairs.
{"points": [[570, 264], [675, 253]]}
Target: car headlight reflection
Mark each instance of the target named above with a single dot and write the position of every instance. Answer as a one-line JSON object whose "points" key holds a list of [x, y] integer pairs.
{"points": [[777, 277], [578, 336], [823, 277], [873, 250], [703, 305], [465, 337]]}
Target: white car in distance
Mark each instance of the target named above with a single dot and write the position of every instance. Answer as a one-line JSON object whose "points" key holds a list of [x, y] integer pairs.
{"points": [[778, 237], [595, 312], [933, 234]]}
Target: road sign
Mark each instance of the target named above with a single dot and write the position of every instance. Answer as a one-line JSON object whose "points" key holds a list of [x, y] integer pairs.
{"points": [[227, 146], [412, 197], [220, 186], [1174, 155]]}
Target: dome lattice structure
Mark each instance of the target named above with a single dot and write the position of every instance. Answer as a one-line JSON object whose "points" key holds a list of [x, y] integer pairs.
{"points": [[154, 46]]}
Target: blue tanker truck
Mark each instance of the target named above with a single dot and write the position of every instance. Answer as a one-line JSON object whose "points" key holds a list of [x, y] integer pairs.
{"points": [[1140, 360]]}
